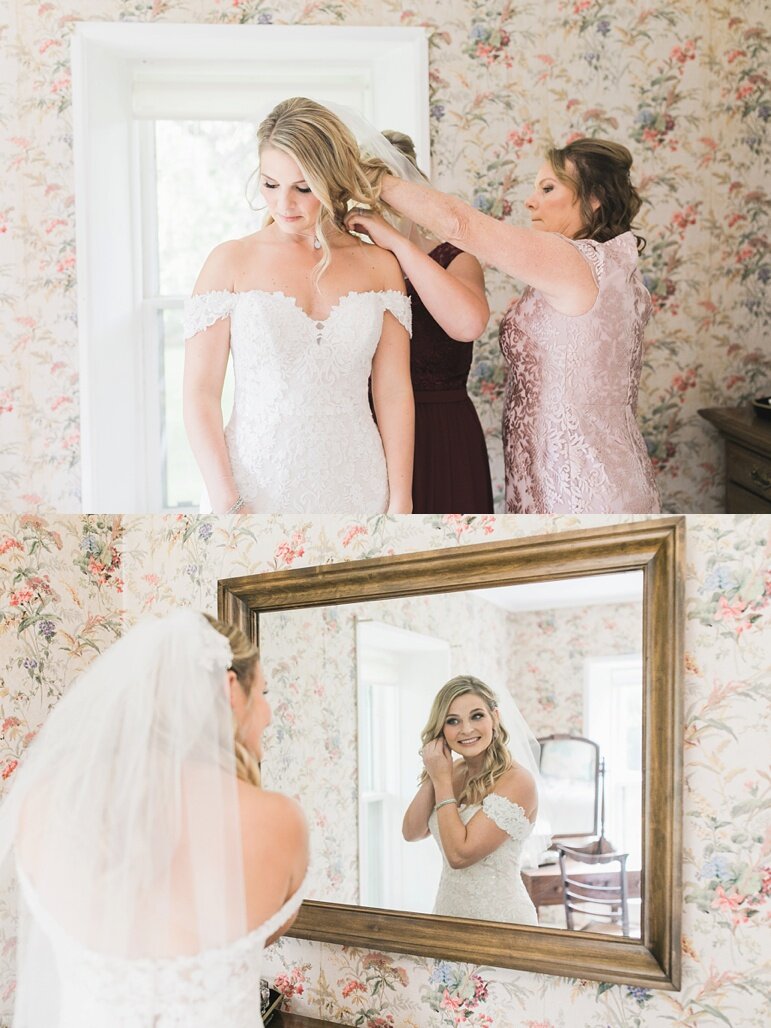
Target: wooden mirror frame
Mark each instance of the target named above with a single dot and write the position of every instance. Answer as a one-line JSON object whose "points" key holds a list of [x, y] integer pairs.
{"points": [[654, 546]]}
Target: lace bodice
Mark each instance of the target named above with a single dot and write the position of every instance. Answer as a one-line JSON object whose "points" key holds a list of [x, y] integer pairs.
{"points": [[571, 439], [215, 987], [301, 438], [492, 888]]}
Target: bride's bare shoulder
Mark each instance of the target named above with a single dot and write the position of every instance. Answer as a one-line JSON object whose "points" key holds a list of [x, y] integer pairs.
{"points": [[383, 265]]}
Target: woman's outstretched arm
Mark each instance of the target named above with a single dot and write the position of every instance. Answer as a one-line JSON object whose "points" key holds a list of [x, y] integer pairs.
{"points": [[544, 260]]}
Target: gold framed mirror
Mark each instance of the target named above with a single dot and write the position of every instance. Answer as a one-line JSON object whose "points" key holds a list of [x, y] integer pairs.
{"points": [[653, 548]]}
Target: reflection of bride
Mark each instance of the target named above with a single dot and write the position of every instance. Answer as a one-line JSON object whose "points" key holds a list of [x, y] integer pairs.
{"points": [[152, 869], [480, 808]]}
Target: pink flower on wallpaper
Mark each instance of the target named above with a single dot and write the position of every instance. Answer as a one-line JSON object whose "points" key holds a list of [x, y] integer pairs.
{"points": [[730, 904], [10, 544], [291, 549], [9, 768], [352, 533], [353, 986]]}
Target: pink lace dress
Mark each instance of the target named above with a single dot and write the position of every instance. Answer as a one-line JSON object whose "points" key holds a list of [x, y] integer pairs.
{"points": [[571, 440]]}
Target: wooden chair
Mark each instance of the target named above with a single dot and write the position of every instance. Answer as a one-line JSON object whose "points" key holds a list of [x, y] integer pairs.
{"points": [[597, 892]]}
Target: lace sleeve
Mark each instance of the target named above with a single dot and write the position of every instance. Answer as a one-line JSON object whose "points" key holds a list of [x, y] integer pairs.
{"points": [[203, 309], [399, 305], [509, 817], [593, 254]]}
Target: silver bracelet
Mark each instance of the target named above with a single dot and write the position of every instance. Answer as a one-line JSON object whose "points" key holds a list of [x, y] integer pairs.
{"points": [[235, 506], [444, 804]]}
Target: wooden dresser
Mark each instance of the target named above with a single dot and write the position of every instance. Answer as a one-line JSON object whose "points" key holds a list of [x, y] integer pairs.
{"points": [[282, 1020], [747, 458]]}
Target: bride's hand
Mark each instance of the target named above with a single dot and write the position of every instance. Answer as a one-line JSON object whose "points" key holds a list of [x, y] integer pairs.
{"points": [[367, 223], [437, 759]]}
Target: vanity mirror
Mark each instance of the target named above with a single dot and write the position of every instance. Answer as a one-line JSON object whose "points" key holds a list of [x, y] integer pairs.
{"points": [[583, 630]]}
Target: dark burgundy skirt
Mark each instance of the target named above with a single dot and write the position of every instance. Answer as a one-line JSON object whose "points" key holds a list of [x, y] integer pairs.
{"points": [[452, 471]]}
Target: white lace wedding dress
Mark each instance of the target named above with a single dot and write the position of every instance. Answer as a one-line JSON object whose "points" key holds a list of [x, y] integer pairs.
{"points": [[218, 988], [491, 889], [301, 438]]}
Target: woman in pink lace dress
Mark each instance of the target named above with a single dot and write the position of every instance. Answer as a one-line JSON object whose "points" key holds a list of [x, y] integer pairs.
{"points": [[574, 339]]}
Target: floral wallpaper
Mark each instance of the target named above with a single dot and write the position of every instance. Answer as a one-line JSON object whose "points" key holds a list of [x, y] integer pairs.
{"points": [[68, 586], [550, 650], [685, 85]]}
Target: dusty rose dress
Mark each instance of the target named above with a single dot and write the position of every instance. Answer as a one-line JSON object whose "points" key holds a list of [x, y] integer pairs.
{"points": [[570, 434]]}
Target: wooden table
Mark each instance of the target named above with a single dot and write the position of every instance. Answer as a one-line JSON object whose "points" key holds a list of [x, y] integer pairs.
{"points": [[544, 884], [747, 458]]}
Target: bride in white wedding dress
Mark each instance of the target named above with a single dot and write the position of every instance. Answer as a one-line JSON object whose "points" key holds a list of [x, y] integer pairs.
{"points": [[481, 808], [152, 869], [309, 312]]}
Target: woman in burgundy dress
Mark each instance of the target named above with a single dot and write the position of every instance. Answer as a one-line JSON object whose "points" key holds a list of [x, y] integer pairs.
{"points": [[451, 471]]}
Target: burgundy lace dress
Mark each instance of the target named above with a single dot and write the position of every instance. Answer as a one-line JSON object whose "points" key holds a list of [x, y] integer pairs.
{"points": [[570, 435], [451, 472]]}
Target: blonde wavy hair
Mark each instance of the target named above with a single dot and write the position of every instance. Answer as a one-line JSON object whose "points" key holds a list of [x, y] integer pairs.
{"points": [[406, 146], [328, 156], [497, 757], [246, 657]]}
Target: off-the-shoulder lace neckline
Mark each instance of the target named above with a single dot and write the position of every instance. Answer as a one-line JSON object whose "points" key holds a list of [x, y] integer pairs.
{"points": [[498, 796], [237, 293], [262, 931]]}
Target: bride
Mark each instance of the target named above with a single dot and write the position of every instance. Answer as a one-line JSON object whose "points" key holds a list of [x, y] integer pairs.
{"points": [[151, 868], [309, 312], [482, 807]]}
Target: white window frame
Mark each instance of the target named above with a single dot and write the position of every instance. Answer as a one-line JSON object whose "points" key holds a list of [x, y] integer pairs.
{"points": [[120, 430]]}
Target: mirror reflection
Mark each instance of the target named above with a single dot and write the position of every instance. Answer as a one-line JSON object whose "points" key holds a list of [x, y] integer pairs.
{"points": [[566, 659]]}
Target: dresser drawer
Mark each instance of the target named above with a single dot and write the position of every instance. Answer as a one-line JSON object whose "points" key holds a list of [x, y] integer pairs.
{"points": [[748, 469], [740, 501]]}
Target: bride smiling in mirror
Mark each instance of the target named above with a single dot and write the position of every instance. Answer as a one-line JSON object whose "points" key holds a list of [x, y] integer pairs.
{"points": [[481, 807], [309, 312]]}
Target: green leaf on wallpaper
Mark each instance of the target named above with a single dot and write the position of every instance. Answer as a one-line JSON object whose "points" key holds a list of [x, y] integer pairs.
{"points": [[603, 987], [709, 1009]]}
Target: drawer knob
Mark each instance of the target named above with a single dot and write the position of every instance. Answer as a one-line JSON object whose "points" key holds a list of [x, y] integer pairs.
{"points": [[761, 477]]}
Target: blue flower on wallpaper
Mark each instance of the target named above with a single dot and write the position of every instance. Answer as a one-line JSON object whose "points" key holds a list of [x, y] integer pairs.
{"points": [[482, 202], [639, 994], [603, 26], [645, 116], [717, 868], [90, 544], [205, 531], [478, 31], [442, 974], [47, 629], [437, 111], [721, 579]]}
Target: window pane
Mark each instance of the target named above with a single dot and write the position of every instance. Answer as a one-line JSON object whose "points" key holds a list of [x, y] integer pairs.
{"points": [[202, 171], [181, 481]]}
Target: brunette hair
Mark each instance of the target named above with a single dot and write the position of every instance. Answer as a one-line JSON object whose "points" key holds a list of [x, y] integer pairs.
{"points": [[405, 145], [246, 657], [497, 757], [601, 174]]}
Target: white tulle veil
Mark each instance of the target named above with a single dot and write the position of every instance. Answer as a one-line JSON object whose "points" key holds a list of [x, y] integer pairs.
{"points": [[121, 831], [372, 143], [526, 750]]}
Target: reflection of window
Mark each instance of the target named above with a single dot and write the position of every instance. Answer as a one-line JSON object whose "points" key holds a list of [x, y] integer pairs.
{"points": [[613, 719], [399, 672], [165, 119]]}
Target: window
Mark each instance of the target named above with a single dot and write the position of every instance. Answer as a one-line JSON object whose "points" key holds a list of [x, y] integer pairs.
{"points": [[613, 719], [165, 119]]}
